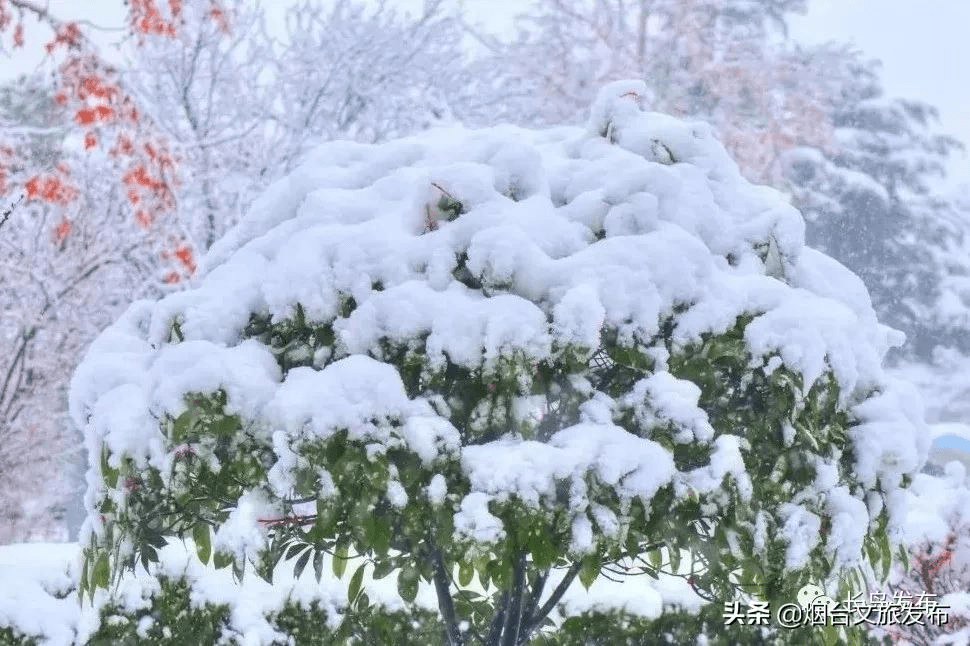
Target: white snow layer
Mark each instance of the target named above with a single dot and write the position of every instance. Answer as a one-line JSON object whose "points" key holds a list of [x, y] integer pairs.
{"points": [[568, 230]]}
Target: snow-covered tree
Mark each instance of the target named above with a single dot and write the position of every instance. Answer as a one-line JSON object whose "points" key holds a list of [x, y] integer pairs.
{"points": [[61, 281], [92, 181], [241, 106], [726, 62], [205, 86], [870, 205], [938, 534], [366, 72], [496, 367]]}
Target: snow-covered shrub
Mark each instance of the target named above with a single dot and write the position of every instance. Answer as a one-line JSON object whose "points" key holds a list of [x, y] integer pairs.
{"points": [[182, 602], [488, 363], [937, 532]]}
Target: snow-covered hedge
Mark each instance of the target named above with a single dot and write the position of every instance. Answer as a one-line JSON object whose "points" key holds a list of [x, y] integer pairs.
{"points": [[489, 362]]}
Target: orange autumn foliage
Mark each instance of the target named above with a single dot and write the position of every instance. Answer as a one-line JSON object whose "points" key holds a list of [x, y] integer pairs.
{"points": [[93, 94]]}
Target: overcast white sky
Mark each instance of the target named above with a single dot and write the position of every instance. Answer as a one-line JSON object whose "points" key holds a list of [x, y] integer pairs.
{"points": [[924, 45]]}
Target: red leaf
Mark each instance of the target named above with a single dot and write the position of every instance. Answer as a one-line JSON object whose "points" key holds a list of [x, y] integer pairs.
{"points": [[50, 188], [143, 218], [68, 35], [85, 116], [184, 255], [62, 229], [32, 187], [218, 15]]}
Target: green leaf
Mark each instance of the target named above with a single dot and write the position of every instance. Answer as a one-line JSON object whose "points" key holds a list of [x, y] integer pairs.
{"points": [[326, 515], [110, 474], [484, 578], [872, 552], [830, 635], [203, 543], [340, 560], [407, 583], [224, 425], [301, 563], [318, 564], [355, 582], [543, 552], [382, 568], [238, 569], [294, 549], [851, 582], [465, 574], [221, 560], [886, 552], [381, 537], [100, 573], [83, 582], [748, 578], [901, 554], [674, 552], [498, 571], [148, 555], [589, 569]]}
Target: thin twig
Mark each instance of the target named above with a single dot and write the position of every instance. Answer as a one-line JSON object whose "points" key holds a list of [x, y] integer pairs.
{"points": [[9, 211]]}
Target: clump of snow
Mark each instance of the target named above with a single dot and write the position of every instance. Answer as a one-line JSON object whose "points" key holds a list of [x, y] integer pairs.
{"points": [[662, 398], [802, 528], [242, 533], [640, 596], [937, 505], [846, 532], [438, 489], [475, 521], [726, 460], [36, 579], [887, 446]]}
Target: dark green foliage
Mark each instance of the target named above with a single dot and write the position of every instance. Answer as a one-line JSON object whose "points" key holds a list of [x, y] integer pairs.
{"points": [[8, 637], [173, 620], [293, 341]]}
